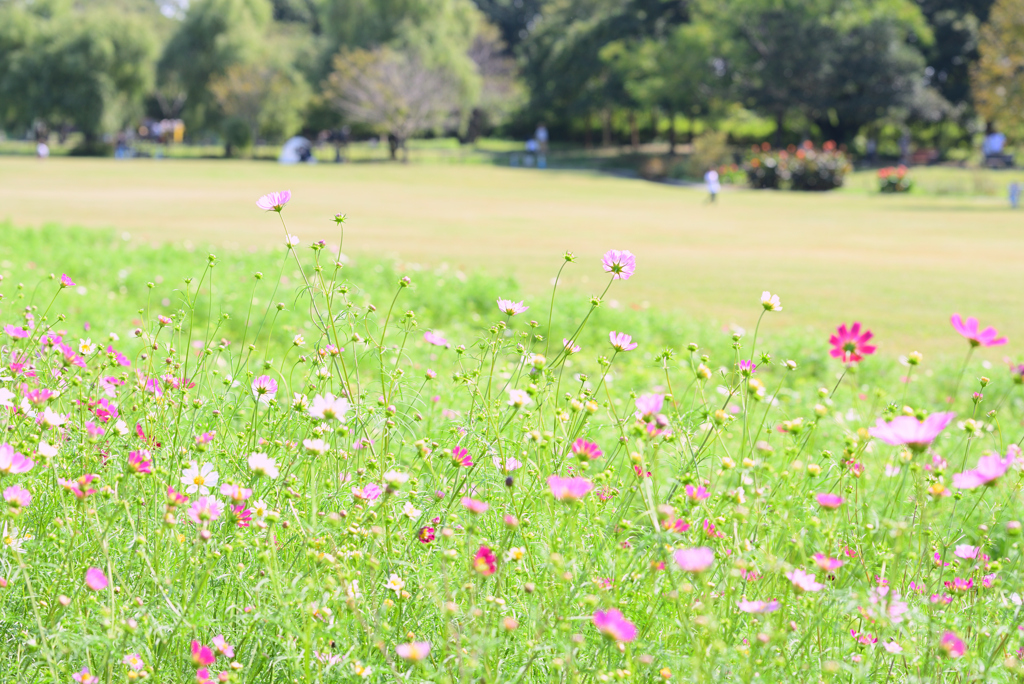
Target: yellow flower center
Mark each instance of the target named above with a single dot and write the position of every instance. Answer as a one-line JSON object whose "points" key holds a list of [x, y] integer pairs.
{"points": [[8, 540], [199, 480]]}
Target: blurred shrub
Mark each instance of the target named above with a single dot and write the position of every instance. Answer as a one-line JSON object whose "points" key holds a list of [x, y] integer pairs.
{"points": [[803, 168], [894, 179]]}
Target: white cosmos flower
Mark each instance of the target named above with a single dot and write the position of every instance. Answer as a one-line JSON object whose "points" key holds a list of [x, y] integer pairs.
{"points": [[199, 479]]}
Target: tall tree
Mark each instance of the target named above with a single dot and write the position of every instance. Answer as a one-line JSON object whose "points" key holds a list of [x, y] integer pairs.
{"points": [[998, 77]]}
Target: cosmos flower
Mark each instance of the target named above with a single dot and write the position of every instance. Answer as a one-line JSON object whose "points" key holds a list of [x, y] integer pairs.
{"points": [[586, 449], [329, 407], [851, 345], [622, 341], [614, 625], [261, 464], [484, 562], [13, 463], [758, 606], [770, 302], [17, 496], [205, 509], [953, 645], [911, 432], [621, 264], [831, 501], [264, 388], [969, 329], [990, 468], [274, 201], [95, 580], [507, 306], [198, 478], [569, 488], [804, 581], [413, 652]]}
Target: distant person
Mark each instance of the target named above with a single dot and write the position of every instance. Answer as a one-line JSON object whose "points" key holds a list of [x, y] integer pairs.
{"points": [[993, 147], [541, 136], [905, 147], [713, 185], [872, 151], [532, 148], [42, 150], [1015, 190]]}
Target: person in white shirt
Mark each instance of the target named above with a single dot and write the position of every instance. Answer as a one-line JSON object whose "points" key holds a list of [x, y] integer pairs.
{"points": [[711, 180]]}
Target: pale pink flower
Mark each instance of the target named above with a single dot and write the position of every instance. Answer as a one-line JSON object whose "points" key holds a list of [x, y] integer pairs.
{"points": [[909, 431], [621, 264], [648, 405], [474, 506], [826, 563], [966, 551], [83, 676], [329, 407], [433, 338], [892, 647], [569, 488], [614, 625], [851, 345], [694, 560], [758, 606], [17, 497], [223, 647], [698, 493], [510, 464], [622, 341], [587, 449], [95, 580], [236, 493], [507, 306], [13, 463], [264, 388], [203, 509], [274, 201], [133, 661], [990, 468], [804, 581], [831, 501], [571, 347], [261, 464], [370, 492], [969, 329], [413, 652]]}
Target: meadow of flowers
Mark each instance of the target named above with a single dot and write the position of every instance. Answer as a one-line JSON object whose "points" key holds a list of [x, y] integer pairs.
{"points": [[339, 472]]}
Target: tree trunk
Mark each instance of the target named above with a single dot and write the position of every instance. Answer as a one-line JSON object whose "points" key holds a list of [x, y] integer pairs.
{"points": [[689, 130], [779, 116], [606, 128], [634, 132], [588, 141], [393, 146], [672, 133], [654, 123]]}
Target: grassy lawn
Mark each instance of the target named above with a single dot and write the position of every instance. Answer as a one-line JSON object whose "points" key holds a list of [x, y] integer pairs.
{"points": [[900, 264]]}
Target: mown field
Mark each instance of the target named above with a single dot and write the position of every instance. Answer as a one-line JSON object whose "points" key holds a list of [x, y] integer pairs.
{"points": [[902, 264]]}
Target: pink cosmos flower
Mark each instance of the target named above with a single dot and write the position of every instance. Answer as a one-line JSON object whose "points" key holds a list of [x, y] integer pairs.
{"points": [[264, 388], [698, 493], [205, 508], [175, 498], [17, 497], [570, 346], [236, 493], [569, 488], [15, 332], [758, 606], [990, 468], [202, 655], [614, 625], [83, 676], [370, 492], [893, 648], [909, 431], [969, 329], [274, 201], [831, 501], [263, 465], [223, 647], [647, 405], [80, 487], [507, 306], [826, 563], [433, 338], [329, 407], [242, 514], [13, 463], [93, 431], [804, 581], [118, 358], [851, 345], [65, 281], [510, 464], [140, 462], [966, 551], [133, 661], [95, 580], [590, 450], [203, 676], [461, 456], [747, 368], [474, 506], [426, 535], [414, 652], [484, 562], [621, 264], [622, 341], [695, 560], [953, 645]]}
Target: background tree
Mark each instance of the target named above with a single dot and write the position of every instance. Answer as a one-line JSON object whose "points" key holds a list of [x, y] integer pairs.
{"points": [[392, 91], [998, 78], [267, 98]]}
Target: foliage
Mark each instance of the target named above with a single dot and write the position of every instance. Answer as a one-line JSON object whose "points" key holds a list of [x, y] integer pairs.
{"points": [[894, 179], [997, 82], [268, 99], [710, 150], [726, 501]]}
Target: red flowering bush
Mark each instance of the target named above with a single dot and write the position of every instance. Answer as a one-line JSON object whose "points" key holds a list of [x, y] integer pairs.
{"points": [[894, 179]]}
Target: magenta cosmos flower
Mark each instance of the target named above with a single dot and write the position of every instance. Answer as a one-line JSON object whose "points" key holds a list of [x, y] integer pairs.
{"points": [[140, 462], [832, 501], [990, 468], [648, 405], [13, 463], [65, 281], [614, 625], [413, 652], [969, 329], [431, 337], [953, 645], [569, 488], [851, 345], [95, 579], [507, 306], [474, 506], [621, 264], [264, 388], [584, 449], [804, 581], [698, 493], [202, 655], [370, 492], [484, 562], [274, 201], [462, 457], [622, 341], [826, 563], [694, 560], [909, 431]]}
